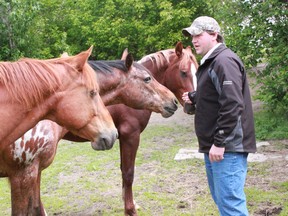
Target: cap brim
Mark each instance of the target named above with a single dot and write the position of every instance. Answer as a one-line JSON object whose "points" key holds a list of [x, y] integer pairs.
{"points": [[185, 32], [191, 31]]}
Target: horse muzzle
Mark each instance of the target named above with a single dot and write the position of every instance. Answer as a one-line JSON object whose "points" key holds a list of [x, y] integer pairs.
{"points": [[170, 110], [104, 142]]}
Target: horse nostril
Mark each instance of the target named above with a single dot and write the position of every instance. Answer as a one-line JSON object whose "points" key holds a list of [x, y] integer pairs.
{"points": [[108, 143], [175, 101]]}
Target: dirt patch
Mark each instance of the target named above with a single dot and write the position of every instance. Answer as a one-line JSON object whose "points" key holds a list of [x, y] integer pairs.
{"points": [[276, 165], [276, 160]]}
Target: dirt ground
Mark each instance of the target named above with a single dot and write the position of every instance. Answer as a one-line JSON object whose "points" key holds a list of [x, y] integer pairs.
{"points": [[275, 170], [276, 154]]}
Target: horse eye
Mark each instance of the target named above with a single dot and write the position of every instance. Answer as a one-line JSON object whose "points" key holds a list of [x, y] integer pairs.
{"points": [[147, 79], [93, 93], [183, 74]]}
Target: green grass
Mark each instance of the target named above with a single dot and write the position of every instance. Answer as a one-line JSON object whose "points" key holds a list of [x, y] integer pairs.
{"points": [[276, 198], [5, 200], [271, 125], [82, 181]]}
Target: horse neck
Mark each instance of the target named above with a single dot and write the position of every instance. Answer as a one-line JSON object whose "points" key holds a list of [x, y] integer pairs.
{"points": [[110, 86], [26, 119]]}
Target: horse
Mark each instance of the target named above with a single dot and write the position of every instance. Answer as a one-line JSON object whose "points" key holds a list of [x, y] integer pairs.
{"points": [[34, 89], [137, 88], [174, 68], [118, 81]]}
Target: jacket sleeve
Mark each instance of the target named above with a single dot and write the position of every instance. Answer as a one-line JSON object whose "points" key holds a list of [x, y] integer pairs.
{"points": [[227, 79]]}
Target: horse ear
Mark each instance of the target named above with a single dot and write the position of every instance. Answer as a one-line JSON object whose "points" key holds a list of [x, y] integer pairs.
{"points": [[81, 59], [179, 48], [90, 50], [124, 54], [129, 60]]}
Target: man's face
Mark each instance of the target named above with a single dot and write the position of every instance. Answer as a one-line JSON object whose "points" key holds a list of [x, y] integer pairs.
{"points": [[204, 42]]}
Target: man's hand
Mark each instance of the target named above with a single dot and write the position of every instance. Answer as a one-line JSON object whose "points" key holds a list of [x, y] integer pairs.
{"points": [[216, 154], [186, 98]]}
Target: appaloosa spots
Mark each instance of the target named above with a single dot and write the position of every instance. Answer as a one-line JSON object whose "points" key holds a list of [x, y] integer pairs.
{"points": [[24, 149]]}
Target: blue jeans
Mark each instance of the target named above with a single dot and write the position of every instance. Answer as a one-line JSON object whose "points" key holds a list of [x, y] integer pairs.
{"points": [[226, 181]]}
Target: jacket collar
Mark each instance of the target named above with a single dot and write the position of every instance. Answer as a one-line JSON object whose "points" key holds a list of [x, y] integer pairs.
{"points": [[216, 52], [207, 55]]}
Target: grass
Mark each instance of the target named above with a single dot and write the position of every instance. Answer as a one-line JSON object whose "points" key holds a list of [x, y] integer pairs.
{"points": [[5, 200], [85, 182], [271, 125], [272, 199]]}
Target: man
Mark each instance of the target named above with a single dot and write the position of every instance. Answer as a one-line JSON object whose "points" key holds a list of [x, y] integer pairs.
{"points": [[224, 122]]}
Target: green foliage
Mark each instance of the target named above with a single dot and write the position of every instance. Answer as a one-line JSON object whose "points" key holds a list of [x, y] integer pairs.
{"points": [[256, 31], [271, 125], [46, 28], [16, 17]]}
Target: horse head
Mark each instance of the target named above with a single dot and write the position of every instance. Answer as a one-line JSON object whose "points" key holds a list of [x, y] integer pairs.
{"points": [[149, 93], [80, 108]]}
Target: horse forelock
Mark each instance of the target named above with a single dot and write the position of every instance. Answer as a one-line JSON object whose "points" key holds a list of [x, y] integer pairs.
{"points": [[29, 81], [90, 77], [187, 56]]}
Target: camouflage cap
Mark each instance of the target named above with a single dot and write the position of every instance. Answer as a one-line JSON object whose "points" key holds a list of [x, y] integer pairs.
{"points": [[201, 24]]}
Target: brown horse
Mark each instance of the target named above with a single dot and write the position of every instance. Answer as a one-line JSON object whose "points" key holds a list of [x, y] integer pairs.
{"points": [[175, 69], [32, 90], [134, 86], [118, 81]]}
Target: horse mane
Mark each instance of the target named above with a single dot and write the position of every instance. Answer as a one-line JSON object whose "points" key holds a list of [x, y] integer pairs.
{"points": [[107, 66], [29, 81], [159, 58]]}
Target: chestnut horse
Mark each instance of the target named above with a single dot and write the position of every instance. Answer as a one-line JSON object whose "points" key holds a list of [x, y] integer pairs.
{"points": [[118, 81], [175, 69], [32, 90]]}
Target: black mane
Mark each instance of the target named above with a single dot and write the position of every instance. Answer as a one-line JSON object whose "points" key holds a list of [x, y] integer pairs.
{"points": [[107, 66]]}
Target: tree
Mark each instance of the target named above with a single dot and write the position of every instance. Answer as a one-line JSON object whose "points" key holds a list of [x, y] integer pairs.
{"points": [[254, 29], [257, 31], [15, 16]]}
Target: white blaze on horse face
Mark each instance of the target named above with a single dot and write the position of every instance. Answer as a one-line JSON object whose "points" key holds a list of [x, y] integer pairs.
{"points": [[31, 144], [193, 71]]}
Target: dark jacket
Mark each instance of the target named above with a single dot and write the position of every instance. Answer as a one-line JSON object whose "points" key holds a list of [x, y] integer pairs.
{"points": [[224, 115]]}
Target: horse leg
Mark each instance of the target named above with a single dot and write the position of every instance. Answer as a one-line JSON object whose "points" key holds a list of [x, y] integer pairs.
{"points": [[25, 192], [42, 209], [128, 149]]}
